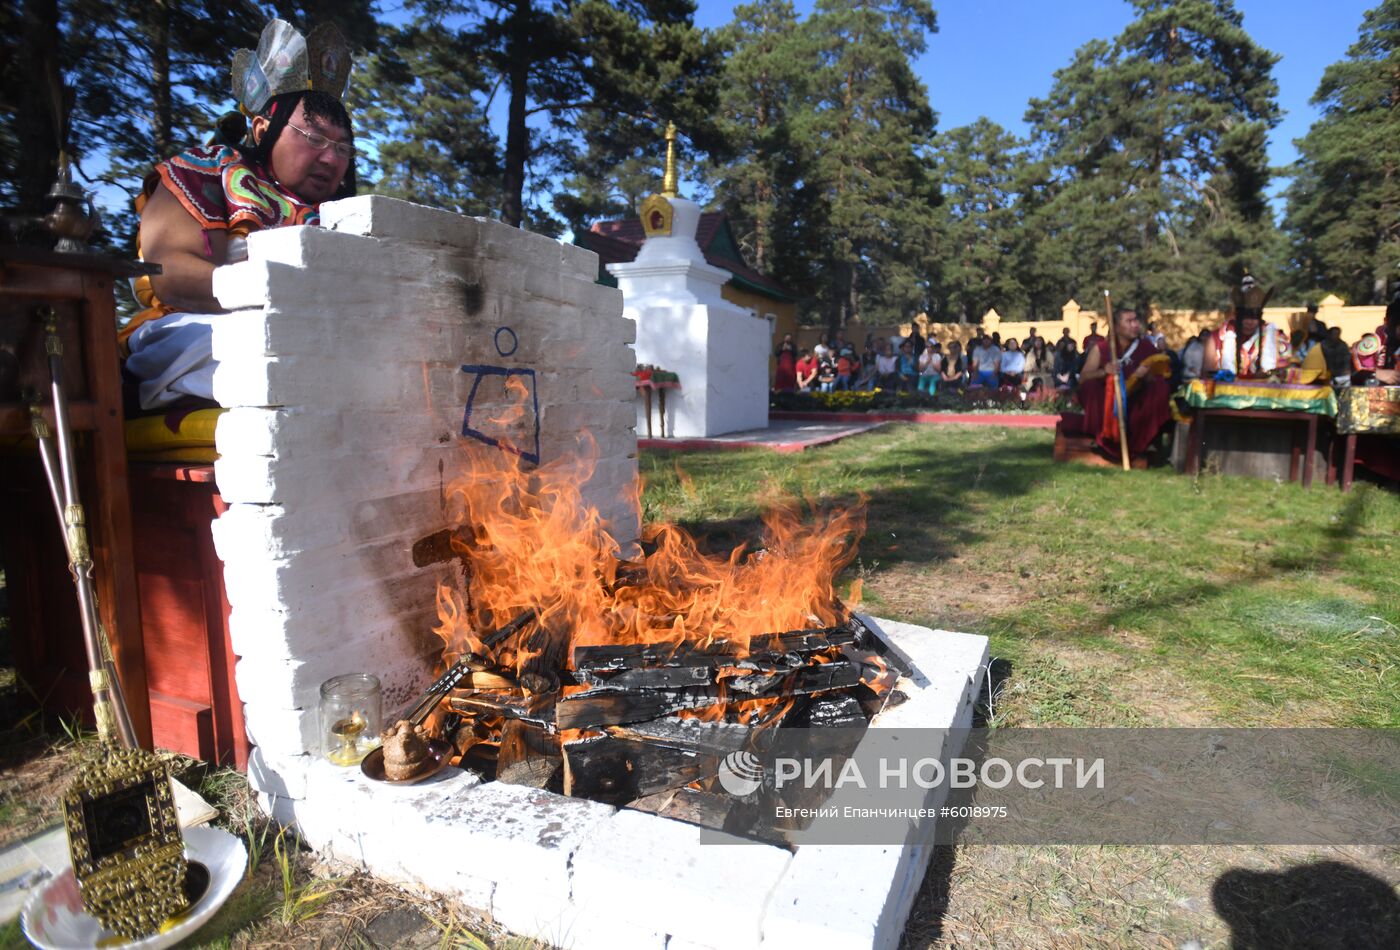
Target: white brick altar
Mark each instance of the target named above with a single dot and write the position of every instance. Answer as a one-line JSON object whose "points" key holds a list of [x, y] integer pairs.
{"points": [[360, 358], [358, 354]]}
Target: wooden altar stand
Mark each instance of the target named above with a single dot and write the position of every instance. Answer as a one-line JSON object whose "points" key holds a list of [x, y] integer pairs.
{"points": [[45, 632], [159, 580]]}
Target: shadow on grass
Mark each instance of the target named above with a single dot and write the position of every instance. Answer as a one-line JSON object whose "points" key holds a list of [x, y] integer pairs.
{"points": [[929, 521], [1324, 904], [1338, 536]]}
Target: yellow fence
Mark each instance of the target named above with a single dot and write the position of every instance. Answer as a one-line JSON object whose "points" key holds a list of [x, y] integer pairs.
{"points": [[1177, 325]]}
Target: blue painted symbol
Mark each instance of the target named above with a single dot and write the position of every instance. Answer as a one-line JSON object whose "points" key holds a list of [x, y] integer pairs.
{"points": [[482, 372], [511, 344]]}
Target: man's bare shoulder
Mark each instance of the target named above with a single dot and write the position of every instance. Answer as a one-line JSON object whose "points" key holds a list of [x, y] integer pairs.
{"points": [[166, 227]]}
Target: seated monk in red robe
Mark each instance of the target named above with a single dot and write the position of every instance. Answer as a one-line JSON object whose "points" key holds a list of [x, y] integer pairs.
{"points": [[1144, 370]]}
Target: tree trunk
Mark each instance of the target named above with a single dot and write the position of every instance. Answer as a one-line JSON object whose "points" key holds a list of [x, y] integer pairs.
{"points": [[34, 124], [517, 133], [162, 132]]}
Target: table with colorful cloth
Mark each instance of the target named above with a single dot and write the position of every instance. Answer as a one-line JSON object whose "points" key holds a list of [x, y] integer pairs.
{"points": [[1300, 404], [650, 378], [1369, 416]]}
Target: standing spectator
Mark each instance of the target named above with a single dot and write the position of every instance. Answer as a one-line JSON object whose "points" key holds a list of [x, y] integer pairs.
{"points": [[1030, 340], [986, 364], [1192, 354], [930, 367], [1158, 339], [846, 367], [1013, 364], [1040, 365], [1066, 363], [954, 367], [908, 367], [886, 366], [1093, 337], [839, 343], [785, 374], [822, 350], [1065, 335], [806, 371], [826, 374]]}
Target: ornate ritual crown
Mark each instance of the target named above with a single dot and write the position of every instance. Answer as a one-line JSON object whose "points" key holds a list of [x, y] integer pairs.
{"points": [[1250, 296], [285, 61]]}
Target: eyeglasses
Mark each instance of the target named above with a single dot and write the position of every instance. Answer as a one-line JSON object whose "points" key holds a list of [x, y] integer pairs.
{"points": [[319, 142]]}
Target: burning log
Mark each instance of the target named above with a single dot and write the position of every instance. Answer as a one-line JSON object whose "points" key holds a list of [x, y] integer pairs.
{"points": [[689, 735], [529, 755], [533, 709], [765, 648], [874, 639], [602, 706], [616, 770], [833, 711]]}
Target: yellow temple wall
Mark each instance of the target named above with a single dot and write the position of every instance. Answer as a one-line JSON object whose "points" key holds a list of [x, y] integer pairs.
{"points": [[1177, 325]]}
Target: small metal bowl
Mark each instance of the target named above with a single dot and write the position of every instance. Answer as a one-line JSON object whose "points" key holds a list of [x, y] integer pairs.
{"points": [[439, 757]]}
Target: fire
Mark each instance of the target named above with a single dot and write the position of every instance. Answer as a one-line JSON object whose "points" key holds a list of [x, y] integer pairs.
{"points": [[530, 542]]}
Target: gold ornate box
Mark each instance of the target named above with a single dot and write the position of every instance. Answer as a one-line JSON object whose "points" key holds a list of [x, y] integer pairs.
{"points": [[1369, 410], [124, 839]]}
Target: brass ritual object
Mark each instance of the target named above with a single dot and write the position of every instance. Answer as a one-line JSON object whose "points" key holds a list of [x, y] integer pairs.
{"points": [[124, 840], [73, 217]]}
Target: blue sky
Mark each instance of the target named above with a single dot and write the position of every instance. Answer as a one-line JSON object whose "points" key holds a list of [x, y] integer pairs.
{"points": [[989, 57]]}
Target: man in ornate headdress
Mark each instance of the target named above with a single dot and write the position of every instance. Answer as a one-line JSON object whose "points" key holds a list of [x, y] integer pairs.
{"points": [[198, 207], [1145, 370], [1246, 345]]}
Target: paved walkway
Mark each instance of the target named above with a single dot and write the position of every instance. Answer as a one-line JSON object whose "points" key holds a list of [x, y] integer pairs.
{"points": [[1015, 420], [782, 435]]}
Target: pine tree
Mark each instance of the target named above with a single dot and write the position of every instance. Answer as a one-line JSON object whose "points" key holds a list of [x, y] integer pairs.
{"points": [[672, 77], [1344, 202], [980, 169], [560, 63], [1157, 146], [420, 99], [867, 127], [763, 80]]}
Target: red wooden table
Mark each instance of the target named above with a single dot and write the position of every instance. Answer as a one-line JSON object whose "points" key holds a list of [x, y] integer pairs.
{"points": [[1304, 448]]}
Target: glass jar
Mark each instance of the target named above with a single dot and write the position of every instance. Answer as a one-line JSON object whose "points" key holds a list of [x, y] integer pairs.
{"points": [[351, 717]]}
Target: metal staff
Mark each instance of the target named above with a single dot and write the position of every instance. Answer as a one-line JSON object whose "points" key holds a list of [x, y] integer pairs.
{"points": [[1120, 397], [109, 706]]}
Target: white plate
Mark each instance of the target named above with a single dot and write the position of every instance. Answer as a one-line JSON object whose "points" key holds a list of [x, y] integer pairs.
{"points": [[53, 917]]}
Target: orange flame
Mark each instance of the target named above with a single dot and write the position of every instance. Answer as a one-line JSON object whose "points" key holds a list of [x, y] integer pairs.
{"points": [[532, 542]]}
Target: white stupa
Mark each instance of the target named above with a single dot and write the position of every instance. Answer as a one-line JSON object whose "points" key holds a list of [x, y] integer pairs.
{"points": [[718, 349]]}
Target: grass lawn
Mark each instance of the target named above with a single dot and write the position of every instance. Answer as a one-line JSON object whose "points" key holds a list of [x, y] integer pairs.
{"points": [[1110, 600], [1146, 599]]}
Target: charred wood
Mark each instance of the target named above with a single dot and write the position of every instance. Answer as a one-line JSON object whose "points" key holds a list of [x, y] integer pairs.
{"points": [[689, 805], [616, 771], [765, 648], [690, 735], [535, 709], [529, 755]]}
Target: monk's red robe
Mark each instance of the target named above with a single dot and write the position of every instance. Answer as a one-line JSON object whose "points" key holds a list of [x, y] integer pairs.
{"points": [[1148, 409]]}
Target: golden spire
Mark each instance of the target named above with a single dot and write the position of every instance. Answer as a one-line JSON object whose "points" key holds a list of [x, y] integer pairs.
{"points": [[670, 183]]}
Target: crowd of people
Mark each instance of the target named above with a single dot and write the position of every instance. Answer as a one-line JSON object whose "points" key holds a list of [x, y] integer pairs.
{"points": [[925, 364], [918, 363]]}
